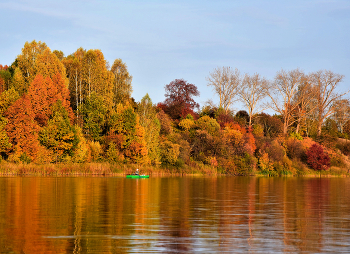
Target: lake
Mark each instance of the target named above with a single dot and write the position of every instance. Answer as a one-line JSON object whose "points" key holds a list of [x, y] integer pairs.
{"points": [[174, 215]]}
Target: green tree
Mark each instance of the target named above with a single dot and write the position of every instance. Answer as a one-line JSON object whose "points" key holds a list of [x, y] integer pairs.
{"points": [[4, 139], [169, 152], [94, 113], [59, 135], [5, 75]]}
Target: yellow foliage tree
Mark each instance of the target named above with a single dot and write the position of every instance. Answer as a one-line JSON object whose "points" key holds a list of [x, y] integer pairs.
{"points": [[186, 124], [169, 152], [27, 59]]}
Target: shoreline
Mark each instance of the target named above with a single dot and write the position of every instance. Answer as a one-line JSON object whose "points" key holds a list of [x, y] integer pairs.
{"points": [[104, 169]]}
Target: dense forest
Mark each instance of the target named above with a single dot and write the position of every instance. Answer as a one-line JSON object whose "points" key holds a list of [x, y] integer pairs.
{"points": [[79, 109]]}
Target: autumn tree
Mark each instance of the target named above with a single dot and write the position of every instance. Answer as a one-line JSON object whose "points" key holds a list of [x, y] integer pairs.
{"points": [[2, 85], [94, 113], [4, 139], [208, 124], [44, 92], [18, 82], [169, 152], [89, 70], [282, 94], [5, 79], [59, 54], [36, 58], [3, 67], [22, 129], [59, 135], [325, 83], [150, 123], [7, 98], [122, 82], [126, 137], [253, 90], [272, 125], [48, 65], [27, 59], [165, 123], [226, 84], [179, 102], [96, 76], [74, 68], [41, 94]]}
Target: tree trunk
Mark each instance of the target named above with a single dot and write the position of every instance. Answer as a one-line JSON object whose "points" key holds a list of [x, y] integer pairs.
{"points": [[319, 128]]}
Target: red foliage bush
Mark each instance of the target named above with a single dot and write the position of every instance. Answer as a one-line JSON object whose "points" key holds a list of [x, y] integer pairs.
{"points": [[224, 119], [317, 158]]}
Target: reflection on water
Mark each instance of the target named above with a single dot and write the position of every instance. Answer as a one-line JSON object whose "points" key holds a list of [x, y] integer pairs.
{"points": [[174, 215]]}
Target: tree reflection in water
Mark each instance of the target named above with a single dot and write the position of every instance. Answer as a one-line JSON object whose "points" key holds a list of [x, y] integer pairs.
{"points": [[174, 215]]}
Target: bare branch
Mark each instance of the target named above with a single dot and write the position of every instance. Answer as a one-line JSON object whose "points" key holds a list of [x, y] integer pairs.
{"points": [[253, 90], [225, 82]]}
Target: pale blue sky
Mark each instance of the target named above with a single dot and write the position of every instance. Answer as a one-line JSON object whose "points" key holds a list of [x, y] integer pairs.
{"points": [[164, 40]]}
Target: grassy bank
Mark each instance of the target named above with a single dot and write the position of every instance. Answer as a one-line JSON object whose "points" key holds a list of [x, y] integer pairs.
{"points": [[96, 169], [107, 169]]}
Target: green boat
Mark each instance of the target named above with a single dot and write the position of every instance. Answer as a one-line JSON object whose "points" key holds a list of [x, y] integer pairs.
{"points": [[137, 176]]}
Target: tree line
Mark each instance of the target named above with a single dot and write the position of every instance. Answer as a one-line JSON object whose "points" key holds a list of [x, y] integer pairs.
{"points": [[78, 108]]}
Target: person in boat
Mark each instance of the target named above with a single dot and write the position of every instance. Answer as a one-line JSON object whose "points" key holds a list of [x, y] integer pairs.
{"points": [[137, 172]]}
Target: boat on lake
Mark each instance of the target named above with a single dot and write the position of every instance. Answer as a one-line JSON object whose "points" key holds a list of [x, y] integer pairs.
{"points": [[137, 176]]}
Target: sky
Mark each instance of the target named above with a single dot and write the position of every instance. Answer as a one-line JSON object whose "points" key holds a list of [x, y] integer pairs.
{"points": [[161, 41]]}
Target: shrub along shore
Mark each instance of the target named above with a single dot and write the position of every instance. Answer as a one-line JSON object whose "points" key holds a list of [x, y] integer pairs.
{"points": [[111, 170]]}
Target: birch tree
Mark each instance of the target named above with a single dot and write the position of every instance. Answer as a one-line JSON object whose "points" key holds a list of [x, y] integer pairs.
{"points": [[150, 123], [122, 82], [27, 59]]}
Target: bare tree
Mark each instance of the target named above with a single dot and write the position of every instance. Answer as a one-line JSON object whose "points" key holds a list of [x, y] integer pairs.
{"points": [[253, 90], [341, 113], [325, 83], [226, 82], [305, 101], [282, 94]]}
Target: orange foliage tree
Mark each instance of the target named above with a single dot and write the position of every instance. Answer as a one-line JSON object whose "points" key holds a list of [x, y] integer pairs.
{"points": [[44, 92], [2, 85], [22, 129]]}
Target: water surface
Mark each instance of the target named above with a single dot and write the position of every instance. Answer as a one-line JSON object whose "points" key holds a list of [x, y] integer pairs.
{"points": [[174, 215]]}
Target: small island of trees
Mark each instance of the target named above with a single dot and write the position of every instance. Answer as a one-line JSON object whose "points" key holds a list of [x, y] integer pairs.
{"points": [[62, 115]]}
